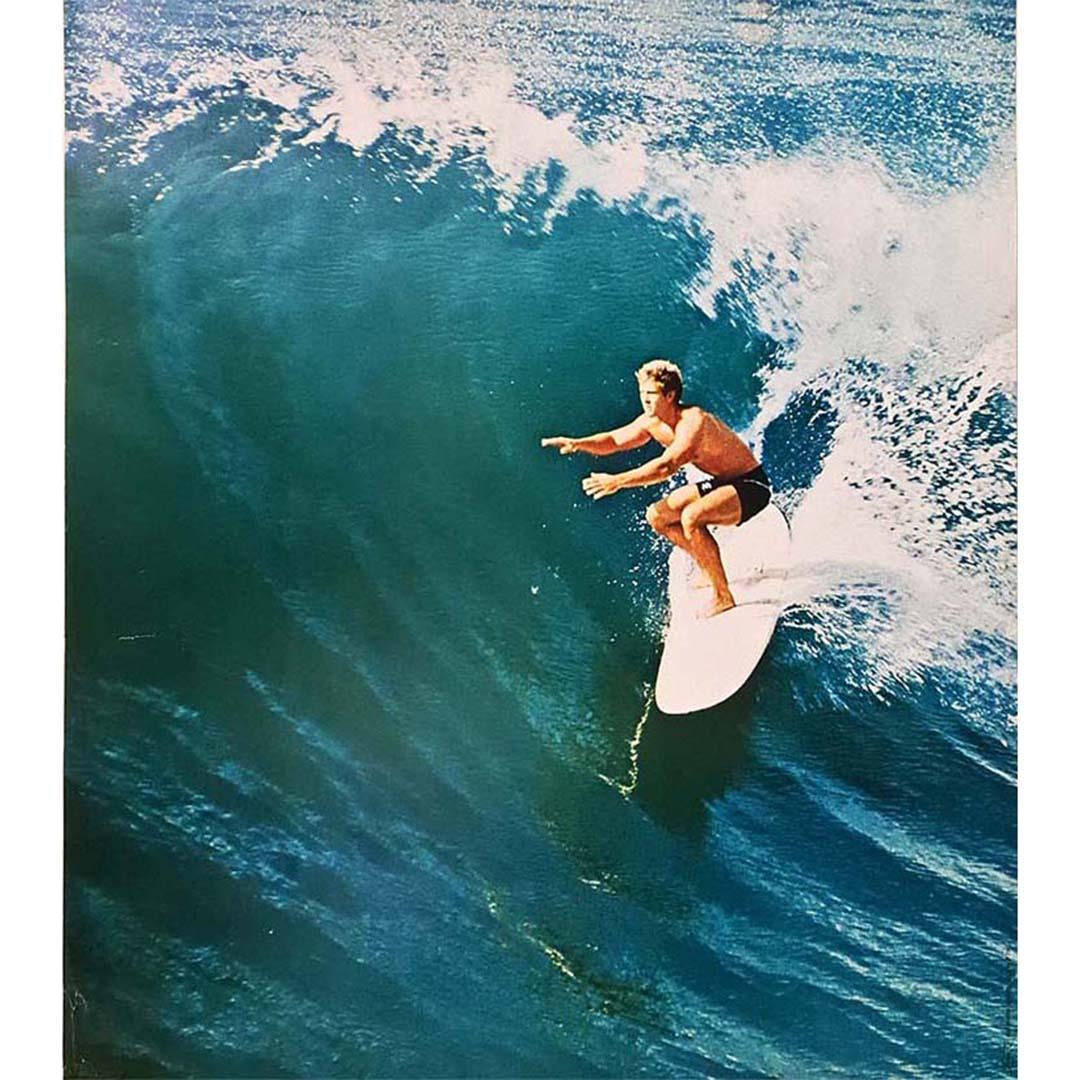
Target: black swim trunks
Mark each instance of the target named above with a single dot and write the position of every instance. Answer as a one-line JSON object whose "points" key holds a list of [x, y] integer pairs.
{"points": [[753, 489]]}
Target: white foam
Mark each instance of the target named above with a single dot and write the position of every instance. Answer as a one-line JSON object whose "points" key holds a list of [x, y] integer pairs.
{"points": [[909, 502]]}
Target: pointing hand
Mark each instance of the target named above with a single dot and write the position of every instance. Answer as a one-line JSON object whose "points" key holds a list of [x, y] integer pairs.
{"points": [[565, 444]]}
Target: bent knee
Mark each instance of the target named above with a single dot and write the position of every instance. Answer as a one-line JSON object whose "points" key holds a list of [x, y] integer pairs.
{"points": [[690, 518], [656, 515]]}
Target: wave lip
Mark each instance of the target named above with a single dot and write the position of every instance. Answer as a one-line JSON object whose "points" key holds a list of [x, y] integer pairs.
{"points": [[744, 77]]}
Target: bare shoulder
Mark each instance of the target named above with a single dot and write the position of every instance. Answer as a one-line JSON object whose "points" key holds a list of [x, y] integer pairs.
{"points": [[704, 417], [693, 418]]}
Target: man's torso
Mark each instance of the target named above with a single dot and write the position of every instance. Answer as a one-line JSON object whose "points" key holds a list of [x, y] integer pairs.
{"points": [[716, 449]]}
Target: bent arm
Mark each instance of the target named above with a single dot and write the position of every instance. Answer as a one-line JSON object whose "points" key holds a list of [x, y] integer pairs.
{"points": [[668, 463], [627, 437]]}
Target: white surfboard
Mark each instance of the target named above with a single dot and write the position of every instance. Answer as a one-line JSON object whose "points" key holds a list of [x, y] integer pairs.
{"points": [[706, 660]]}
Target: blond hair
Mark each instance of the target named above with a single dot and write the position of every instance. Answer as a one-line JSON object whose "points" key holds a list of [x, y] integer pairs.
{"points": [[664, 373]]}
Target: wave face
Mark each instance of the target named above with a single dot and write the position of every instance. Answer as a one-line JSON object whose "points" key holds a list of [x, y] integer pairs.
{"points": [[363, 771]]}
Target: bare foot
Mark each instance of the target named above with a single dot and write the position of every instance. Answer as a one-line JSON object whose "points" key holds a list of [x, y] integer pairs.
{"points": [[717, 607]]}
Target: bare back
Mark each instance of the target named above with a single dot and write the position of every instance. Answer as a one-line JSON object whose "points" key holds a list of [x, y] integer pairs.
{"points": [[716, 449]]}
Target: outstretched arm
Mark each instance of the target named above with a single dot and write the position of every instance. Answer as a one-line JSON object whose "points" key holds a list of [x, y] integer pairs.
{"points": [[652, 472], [627, 437]]}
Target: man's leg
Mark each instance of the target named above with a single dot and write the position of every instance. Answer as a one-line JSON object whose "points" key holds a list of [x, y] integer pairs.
{"points": [[719, 507], [665, 516], [682, 518]]}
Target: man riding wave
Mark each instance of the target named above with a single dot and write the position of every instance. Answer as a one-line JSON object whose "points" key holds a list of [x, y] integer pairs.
{"points": [[737, 487]]}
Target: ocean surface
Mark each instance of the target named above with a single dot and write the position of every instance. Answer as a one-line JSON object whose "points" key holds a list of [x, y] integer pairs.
{"points": [[364, 775]]}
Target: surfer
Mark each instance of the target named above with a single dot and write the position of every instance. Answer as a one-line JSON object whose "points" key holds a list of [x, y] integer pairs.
{"points": [[735, 490]]}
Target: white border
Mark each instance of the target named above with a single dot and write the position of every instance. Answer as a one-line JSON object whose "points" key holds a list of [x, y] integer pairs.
{"points": [[32, 456], [1047, 62]]}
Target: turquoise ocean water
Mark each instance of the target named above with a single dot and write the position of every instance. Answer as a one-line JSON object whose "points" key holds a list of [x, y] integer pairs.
{"points": [[363, 772]]}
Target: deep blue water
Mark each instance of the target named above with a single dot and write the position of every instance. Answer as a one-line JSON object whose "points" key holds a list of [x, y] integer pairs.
{"points": [[363, 772]]}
